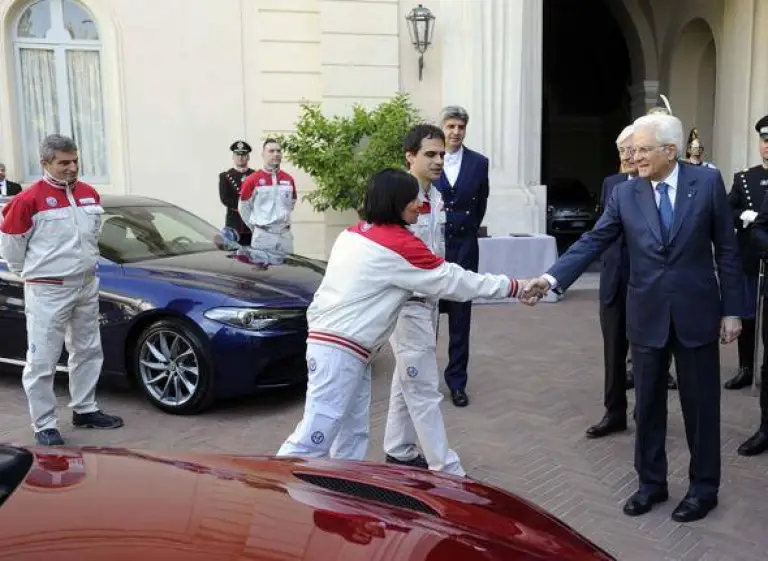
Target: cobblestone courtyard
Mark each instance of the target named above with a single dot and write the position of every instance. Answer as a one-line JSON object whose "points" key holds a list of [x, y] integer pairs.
{"points": [[535, 385]]}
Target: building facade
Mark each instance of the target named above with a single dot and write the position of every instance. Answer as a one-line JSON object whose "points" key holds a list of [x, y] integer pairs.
{"points": [[156, 90]]}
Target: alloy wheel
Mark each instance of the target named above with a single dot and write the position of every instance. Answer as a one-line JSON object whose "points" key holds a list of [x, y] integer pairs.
{"points": [[169, 367]]}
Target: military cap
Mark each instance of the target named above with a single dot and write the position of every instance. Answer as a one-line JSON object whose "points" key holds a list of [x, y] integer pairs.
{"points": [[241, 146], [762, 127]]}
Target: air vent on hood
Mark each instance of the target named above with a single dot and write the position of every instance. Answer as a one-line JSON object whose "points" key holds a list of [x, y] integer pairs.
{"points": [[368, 492]]}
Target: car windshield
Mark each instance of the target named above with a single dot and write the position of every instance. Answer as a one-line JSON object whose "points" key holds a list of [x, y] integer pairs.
{"points": [[140, 233], [568, 192]]}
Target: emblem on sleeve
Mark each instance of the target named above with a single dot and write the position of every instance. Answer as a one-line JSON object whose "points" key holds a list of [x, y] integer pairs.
{"points": [[317, 437]]}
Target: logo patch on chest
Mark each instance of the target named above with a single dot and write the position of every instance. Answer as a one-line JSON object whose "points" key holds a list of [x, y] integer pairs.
{"points": [[51, 201]]}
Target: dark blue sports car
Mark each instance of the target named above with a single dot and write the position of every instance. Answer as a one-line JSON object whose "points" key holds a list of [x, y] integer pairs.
{"points": [[189, 321]]}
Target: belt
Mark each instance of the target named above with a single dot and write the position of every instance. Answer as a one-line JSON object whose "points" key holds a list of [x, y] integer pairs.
{"points": [[72, 280], [273, 230]]}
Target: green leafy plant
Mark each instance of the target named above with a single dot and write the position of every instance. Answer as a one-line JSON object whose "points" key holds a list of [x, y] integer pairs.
{"points": [[341, 153]]}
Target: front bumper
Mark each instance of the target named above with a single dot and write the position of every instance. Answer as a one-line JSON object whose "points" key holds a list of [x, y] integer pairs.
{"points": [[575, 225], [247, 361]]}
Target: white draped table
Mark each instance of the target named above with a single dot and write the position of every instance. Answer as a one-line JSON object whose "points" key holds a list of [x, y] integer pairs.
{"points": [[522, 257]]}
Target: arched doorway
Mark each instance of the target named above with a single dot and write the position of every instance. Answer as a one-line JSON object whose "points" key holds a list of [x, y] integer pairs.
{"points": [[586, 94], [692, 80]]}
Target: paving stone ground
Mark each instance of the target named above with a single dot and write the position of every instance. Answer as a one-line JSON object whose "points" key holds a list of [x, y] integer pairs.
{"points": [[535, 384]]}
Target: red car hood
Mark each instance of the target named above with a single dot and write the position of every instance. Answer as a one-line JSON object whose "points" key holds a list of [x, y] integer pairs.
{"points": [[116, 504]]}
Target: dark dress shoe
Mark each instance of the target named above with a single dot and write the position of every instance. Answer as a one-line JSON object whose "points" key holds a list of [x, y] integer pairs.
{"points": [[755, 444], [417, 462], [459, 398], [49, 437], [693, 508], [742, 379], [642, 502], [96, 420], [608, 425], [671, 383]]}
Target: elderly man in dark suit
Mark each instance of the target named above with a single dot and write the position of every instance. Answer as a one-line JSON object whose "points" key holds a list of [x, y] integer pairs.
{"points": [[464, 186], [7, 188], [672, 217], [613, 317], [614, 277]]}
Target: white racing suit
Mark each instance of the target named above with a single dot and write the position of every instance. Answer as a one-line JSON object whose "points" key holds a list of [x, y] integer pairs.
{"points": [[267, 199], [50, 239], [371, 273], [414, 402]]}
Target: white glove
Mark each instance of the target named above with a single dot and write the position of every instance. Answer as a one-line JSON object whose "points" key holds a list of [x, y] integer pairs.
{"points": [[747, 217]]}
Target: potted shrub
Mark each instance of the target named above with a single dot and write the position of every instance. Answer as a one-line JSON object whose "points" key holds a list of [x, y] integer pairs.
{"points": [[341, 152]]}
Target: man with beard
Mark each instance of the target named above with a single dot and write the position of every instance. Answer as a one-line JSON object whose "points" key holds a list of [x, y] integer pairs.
{"points": [[267, 200]]}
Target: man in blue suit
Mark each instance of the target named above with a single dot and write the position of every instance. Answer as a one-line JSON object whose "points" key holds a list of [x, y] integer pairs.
{"points": [[672, 217], [464, 186]]}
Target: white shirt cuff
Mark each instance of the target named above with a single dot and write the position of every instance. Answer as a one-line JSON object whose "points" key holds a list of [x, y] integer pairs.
{"points": [[551, 280]]}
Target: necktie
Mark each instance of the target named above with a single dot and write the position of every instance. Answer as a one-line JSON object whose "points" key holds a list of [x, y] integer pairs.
{"points": [[665, 209]]}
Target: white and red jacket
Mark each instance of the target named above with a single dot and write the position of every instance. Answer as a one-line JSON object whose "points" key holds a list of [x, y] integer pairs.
{"points": [[430, 226], [371, 273], [267, 198], [50, 233]]}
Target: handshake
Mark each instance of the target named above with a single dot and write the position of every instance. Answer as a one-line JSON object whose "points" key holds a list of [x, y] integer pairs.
{"points": [[533, 290]]}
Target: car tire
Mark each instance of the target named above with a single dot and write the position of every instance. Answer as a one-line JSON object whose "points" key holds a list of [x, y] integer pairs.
{"points": [[173, 368]]}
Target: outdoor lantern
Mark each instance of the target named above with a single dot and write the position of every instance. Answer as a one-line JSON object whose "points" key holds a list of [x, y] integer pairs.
{"points": [[421, 27]]}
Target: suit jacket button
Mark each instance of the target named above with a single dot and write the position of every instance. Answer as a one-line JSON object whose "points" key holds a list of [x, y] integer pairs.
{"points": [[467, 212]]}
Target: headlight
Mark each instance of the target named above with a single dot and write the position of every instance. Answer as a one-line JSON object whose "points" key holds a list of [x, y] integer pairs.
{"points": [[254, 319]]}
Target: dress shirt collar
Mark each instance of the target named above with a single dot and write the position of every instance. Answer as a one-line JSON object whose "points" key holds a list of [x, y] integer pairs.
{"points": [[455, 157], [670, 180]]}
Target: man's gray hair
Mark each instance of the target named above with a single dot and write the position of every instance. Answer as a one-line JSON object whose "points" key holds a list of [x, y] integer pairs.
{"points": [[628, 131], [666, 128], [2, 165], [454, 112], [56, 143]]}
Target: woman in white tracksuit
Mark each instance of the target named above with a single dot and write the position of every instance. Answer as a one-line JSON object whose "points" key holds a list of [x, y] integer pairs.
{"points": [[373, 269], [414, 405]]}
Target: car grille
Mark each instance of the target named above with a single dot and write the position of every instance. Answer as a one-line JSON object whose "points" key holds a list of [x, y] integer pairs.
{"points": [[368, 492]]}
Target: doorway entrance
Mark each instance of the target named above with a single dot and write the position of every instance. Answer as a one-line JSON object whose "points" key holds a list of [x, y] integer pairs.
{"points": [[586, 97]]}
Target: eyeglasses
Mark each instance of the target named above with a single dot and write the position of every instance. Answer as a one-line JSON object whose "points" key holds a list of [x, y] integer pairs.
{"points": [[645, 150], [624, 151]]}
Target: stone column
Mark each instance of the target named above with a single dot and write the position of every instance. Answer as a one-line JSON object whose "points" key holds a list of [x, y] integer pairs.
{"points": [[492, 66], [759, 91], [734, 142], [645, 95]]}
